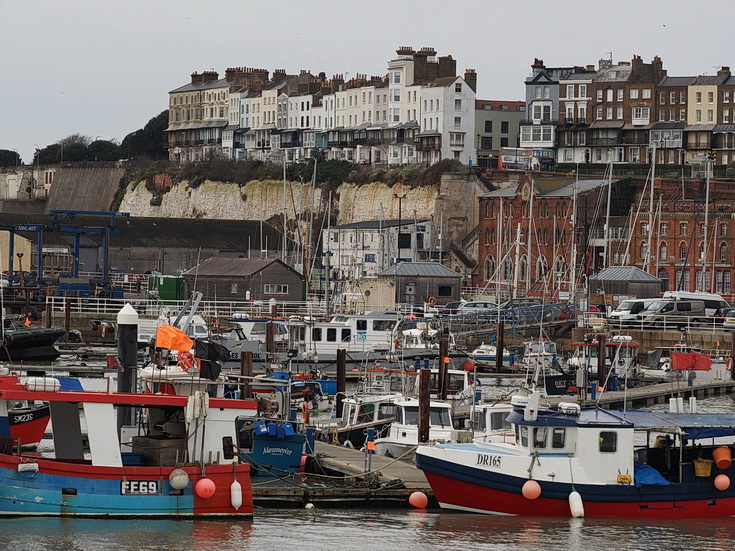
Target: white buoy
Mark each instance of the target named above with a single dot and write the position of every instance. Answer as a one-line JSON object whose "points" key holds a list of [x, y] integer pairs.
{"points": [[309, 506], [189, 409], [692, 404], [673, 405], [197, 404], [205, 403], [236, 494], [575, 505]]}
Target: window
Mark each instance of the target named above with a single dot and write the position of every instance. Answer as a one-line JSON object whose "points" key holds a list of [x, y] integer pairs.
{"points": [[633, 93], [570, 90], [598, 113], [457, 122], [723, 251], [608, 114], [233, 288], [486, 143], [683, 228], [458, 105], [503, 142], [275, 289], [723, 230], [664, 228], [662, 252], [725, 115], [725, 97], [608, 442], [458, 87], [619, 114], [609, 94], [698, 96], [646, 93], [488, 126], [620, 94], [558, 437], [539, 437], [599, 95], [710, 97], [582, 90], [316, 334], [331, 334], [504, 127], [710, 115], [682, 251]]}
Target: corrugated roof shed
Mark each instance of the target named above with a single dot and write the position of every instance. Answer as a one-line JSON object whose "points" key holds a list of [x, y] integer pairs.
{"points": [[623, 273], [425, 269]]}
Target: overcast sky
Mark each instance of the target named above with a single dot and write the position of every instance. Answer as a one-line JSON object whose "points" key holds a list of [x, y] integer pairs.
{"points": [[104, 68]]}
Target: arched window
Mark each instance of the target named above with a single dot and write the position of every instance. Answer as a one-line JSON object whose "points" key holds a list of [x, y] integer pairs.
{"points": [[523, 268], [682, 250], [663, 252], [487, 236], [493, 236], [546, 210], [558, 209], [490, 267], [542, 267], [723, 252], [488, 209], [564, 209], [644, 250]]}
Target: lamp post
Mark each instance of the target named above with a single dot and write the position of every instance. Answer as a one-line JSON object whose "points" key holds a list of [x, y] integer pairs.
{"points": [[95, 147], [400, 204], [38, 167]]}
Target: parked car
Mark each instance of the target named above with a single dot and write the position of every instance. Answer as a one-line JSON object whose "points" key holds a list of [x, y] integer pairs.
{"points": [[476, 306], [451, 308], [728, 317]]}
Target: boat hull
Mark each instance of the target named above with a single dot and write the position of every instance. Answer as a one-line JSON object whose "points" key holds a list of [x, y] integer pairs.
{"points": [[27, 426], [35, 343], [459, 486], [58, 488]]}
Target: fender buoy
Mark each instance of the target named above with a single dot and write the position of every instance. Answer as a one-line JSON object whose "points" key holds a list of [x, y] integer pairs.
{"points": [[306, 411], [236, 494], [728, 364], [431, 301]]}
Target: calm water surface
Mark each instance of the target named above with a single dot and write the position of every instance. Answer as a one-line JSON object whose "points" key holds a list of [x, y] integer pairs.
{"points": [[349, 529]]}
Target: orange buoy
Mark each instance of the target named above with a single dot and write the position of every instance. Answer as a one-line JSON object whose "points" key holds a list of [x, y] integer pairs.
{"points": [[722, 457], [531, 489], [205, 488], [722, 482], [418, 500]]}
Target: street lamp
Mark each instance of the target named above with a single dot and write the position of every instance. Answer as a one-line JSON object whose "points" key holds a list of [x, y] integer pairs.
{"points": [[400, 203], [95, 147]]}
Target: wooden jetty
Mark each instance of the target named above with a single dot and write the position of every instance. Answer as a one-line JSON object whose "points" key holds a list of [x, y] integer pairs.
{"points": [[651, 394], [339, 477]]}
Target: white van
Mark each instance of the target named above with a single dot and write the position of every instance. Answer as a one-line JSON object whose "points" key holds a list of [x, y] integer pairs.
{"points": [[628, 310], [712, 301]]}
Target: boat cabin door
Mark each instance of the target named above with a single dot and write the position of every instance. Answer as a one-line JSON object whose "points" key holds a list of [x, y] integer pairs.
{"points": [[410, 293]]}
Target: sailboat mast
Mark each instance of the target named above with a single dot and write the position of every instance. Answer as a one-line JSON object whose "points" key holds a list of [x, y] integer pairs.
{"points": [[573, 275], [499, 254], [607, 213], [649, 238]]}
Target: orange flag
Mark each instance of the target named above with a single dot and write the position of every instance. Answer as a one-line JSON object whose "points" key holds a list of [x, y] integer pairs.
{"points": [[168, 336]]}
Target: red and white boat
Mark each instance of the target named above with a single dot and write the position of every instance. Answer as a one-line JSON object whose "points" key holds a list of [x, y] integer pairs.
{"points": [[574, 461], [23, 422]]}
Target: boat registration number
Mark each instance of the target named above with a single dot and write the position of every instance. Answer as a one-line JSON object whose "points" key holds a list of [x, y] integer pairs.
{"points": [[139, 487], [486, 460]]}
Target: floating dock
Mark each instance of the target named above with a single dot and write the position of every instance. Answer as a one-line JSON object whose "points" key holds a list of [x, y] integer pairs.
{"points": [[340, 477]]}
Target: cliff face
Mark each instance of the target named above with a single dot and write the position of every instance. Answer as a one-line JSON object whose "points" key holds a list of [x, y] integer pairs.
{"points": [[265, 200]]}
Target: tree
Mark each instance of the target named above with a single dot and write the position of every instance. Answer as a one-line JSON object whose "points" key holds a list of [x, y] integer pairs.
{"points": [[103, 150], [9, 157], [149, 141]]}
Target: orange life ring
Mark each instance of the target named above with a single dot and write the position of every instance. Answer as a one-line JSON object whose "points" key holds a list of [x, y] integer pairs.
{"points": [[728, 364], [431, 301], [187, 361]]}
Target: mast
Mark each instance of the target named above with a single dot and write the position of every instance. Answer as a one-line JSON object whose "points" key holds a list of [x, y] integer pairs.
{"points": [[283, 255], [649, 237], [573, 275], [529, 263], [499, 254], [515, 267], [708, 167], [607, 213]]}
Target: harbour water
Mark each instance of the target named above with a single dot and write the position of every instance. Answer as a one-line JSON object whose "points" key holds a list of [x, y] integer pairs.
{"points": [[404, 530]]}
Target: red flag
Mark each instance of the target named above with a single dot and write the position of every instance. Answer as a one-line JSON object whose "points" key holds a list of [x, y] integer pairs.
{"points": [[168, 336], [690, 360]]}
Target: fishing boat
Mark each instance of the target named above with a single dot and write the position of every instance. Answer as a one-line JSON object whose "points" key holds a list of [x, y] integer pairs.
{"points": [[684, 362], [360, 414], [21, 341], [403, 435], [178, 457], [24, 421], [486, 356], [572, 461]]}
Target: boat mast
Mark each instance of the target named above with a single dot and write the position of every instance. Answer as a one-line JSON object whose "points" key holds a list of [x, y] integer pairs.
{"points": [[647, 261], [499, 255], [607, 213], [573, 275]]}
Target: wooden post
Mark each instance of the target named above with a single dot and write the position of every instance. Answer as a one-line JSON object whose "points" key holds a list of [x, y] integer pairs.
{"points": [[270, 337], [499, 346], [443, 379], [341, 380], [424, 404], [246, 370], [601, 361]]}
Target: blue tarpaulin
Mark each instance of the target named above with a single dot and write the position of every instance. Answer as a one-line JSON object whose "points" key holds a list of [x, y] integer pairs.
{"points": [[647, 476]]}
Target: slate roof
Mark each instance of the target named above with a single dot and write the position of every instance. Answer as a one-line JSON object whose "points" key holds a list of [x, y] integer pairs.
{"points": [[424, 269], [677, 81], [233, 267], [624, 273]]}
